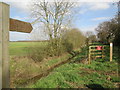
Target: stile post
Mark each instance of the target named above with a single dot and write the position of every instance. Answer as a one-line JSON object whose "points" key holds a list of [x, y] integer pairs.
{"points": [[89, 55], [0, 67], [102, 52], [111, 51], [4, 40]]}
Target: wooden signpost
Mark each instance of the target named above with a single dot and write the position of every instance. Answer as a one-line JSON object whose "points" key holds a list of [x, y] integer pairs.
{"points": [[6, 25]]}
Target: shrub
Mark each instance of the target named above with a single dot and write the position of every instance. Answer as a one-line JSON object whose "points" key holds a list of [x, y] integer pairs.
{"points": [[74, 37], [38, 53], [57, 46], [68, 47]]}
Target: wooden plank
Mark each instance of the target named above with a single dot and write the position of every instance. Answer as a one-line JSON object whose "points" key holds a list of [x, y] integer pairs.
{"points": [[20, 26], [93, 46], [95, 50], [97, 53], [4, 40], [98, 45], [98, 56]]}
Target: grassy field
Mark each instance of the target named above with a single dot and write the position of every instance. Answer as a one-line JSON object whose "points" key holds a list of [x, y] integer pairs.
{"points": [[21, 48], [100, 73]]}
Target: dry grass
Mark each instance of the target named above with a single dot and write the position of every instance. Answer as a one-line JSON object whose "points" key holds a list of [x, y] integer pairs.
{"points": [[23, 68]]}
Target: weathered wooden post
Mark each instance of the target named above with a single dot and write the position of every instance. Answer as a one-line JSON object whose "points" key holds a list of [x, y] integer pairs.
{"points": [[6, 25], [111, 51], [4, 39], [89, 56]]}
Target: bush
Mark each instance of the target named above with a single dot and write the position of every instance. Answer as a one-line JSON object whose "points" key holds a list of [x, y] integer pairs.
{"points": [[68, 47], [58, 47], [70, 40], [74, 37], [38, 53]]}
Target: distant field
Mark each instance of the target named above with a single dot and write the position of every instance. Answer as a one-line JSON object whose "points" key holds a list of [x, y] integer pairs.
{"points": [[21, 48]]}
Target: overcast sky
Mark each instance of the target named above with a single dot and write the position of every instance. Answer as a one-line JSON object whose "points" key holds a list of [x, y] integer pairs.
{"points": [[90, 14]]}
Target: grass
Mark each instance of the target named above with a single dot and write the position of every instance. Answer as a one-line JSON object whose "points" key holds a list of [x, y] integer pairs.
{"points": [[80, 76], [22, 48], [23, 68], [100, 73]]}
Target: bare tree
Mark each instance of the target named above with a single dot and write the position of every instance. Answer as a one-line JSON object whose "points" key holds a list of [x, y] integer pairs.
{"points": [[52, 15], [91, 37]]}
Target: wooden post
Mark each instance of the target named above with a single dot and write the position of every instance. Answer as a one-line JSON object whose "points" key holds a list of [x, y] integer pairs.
{"points": [[4, 40], [102, 52], [89, 55], [0, 47], [111, 51]]}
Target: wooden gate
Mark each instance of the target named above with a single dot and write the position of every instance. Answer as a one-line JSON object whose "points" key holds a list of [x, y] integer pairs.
{"points": [[98, 51]]}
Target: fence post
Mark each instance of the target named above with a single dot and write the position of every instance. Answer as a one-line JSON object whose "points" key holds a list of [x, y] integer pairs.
{"points": [[102, 52], [111, 51], [4, 40], [89, 55]]}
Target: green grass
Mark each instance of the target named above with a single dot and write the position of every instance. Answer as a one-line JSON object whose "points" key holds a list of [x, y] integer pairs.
{"points": [[74, 75], [22, 48], [57, 60], [18, 48]]}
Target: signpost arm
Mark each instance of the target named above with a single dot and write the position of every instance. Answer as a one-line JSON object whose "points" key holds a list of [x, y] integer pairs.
{"points": [[4, 40]]}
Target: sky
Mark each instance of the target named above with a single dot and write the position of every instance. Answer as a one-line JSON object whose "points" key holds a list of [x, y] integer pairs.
{"points": [[90, 13]]}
